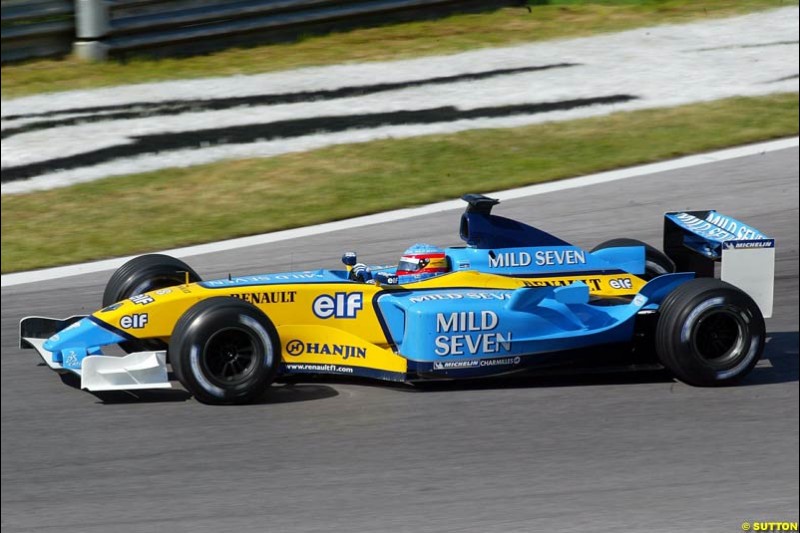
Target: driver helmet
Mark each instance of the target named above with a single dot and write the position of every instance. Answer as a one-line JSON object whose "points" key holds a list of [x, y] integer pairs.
{"points": [[421, 261]]}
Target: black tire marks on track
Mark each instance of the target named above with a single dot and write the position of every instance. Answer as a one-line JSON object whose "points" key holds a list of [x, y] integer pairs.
{"points": [[292, 128], [177, 107], [744, 46]]}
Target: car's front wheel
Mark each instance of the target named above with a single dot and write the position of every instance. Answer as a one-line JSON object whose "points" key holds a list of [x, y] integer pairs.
{"points": [[225, 351], [144, 274], [709, 332]]}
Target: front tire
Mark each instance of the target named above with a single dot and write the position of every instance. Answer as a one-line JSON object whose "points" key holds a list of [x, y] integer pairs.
{"points": [[144, 274], [709, 333], [225, 351]]}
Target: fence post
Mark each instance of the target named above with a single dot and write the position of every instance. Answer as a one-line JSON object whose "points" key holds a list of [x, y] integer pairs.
{"points": [[91, 25]]}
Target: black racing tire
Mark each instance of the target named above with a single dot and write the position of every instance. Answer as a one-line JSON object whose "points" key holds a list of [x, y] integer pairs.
{"points": [[709, 333], [144, 274], [225, 351], [656, 261]]}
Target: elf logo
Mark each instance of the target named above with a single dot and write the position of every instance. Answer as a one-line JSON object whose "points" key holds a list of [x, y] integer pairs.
{"points": [[134, 321], [621, 283], [340, 305]]}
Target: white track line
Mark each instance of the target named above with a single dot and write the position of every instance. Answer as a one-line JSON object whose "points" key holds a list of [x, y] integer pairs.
{"points": [[20, 278]]}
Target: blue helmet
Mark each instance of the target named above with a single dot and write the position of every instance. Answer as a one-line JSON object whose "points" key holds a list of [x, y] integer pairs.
{"points": [[421, 261]]}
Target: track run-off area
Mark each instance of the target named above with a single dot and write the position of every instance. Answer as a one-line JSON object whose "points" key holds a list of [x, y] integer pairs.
{"points": [[60, 139], [623, 452]]}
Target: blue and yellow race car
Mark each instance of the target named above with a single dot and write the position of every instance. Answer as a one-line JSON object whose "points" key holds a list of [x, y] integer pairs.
{"points": [[512, 299]]}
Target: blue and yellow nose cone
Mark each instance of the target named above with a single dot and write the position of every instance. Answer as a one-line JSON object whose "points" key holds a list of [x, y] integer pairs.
{"points": [[70, 345]]}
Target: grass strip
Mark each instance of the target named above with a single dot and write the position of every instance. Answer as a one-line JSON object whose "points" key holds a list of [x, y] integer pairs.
{"points": [[176, 207], [508, 26]]}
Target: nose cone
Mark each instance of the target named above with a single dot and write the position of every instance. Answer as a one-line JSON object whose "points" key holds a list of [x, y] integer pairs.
{"points": [[86, 333]]}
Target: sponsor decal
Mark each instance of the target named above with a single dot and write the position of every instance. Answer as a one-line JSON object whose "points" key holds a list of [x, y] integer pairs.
{"points": [[340, 305], [459, 296], [71, 360], [702, 227], [471, 332], [741, 231], [621, 283], [540, 258], [162, 292], [476, 363], [463, 265], [136, 321], [593, 283], [769, 243], [434, 296], [457, 364], [271, 297], [262, 278], [296, 348], [299, 276], [142, 299], [639, 300], [384, 278], [312, 367], [719, 227], [500, 361]]}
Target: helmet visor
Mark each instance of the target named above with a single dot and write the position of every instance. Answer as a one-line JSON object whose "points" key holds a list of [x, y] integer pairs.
{"points": [[411, 264]]}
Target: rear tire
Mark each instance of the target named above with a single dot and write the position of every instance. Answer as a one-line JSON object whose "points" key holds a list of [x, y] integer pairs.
{"points": [[225, 351], [144, 274], [709, 333], [656, 262]]}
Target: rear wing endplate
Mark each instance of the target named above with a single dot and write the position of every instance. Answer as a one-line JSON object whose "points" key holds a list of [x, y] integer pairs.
{"points": [[696, 240]]}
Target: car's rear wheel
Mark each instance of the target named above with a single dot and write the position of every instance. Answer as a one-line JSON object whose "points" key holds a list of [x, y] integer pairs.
{"points": [[225, 351], [656, 261], [144, 274], [709, 332]]}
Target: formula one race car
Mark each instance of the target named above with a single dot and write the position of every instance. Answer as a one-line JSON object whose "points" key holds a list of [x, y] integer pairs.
{"points": [[514, 298]]}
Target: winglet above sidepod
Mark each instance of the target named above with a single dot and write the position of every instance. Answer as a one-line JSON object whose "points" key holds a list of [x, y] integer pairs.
{"points": [[479, 203]]}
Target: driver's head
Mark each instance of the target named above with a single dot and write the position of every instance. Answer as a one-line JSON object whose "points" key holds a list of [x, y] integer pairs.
{"points": [[421, 261]]}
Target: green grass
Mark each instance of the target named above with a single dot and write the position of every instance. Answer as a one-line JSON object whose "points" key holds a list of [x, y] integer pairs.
{"points": [[561, 18], [175, 207]]}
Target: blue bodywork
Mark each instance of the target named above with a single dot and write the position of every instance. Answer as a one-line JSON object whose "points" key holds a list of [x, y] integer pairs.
{"points": [[282, 278], [708, 232], [542, 260], [81, 338], [499, 245], [483, 331]]}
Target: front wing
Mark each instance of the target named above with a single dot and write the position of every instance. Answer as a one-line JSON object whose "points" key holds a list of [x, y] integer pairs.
{"points": [[135, 371]]}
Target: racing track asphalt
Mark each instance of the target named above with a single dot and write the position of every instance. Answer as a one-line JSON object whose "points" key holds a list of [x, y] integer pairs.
{"points": [[630, 452]]}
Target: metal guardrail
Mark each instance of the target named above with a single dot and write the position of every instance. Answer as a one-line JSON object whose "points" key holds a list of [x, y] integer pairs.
{"points": [[105, 26], [102, 27], [36, 29]]}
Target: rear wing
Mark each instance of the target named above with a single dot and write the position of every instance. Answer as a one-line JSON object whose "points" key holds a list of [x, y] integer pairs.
{"points": [[696, 240]]}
